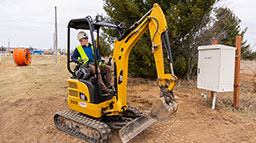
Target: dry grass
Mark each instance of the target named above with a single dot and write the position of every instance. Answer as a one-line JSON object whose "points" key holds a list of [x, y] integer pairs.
{"points": [[247, 96]]}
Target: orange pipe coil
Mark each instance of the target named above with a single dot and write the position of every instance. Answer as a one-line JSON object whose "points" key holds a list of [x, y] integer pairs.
{"points": [[22, 57]]}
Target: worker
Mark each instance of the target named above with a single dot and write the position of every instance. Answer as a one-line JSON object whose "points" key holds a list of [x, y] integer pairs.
{"points": [[84, 52]]}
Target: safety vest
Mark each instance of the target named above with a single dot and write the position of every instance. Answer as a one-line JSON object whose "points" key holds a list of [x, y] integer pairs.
{"points": [[82, 53]]}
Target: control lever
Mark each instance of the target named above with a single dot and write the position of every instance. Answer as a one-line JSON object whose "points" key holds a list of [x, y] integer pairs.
{"points": [[109, 61]]}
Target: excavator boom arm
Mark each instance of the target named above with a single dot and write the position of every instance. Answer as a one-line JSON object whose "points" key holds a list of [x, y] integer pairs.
{"points": [[155, 21]]}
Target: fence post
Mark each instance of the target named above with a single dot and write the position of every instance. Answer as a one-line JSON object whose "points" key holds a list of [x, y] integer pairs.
{"points": [[237, 71]]}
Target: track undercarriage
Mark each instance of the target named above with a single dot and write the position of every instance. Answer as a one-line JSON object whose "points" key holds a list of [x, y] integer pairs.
{"points": [[81, 126], [97, 130]]}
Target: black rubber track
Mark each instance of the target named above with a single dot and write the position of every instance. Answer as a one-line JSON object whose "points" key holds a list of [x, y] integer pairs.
{"points": [[102, 128]]}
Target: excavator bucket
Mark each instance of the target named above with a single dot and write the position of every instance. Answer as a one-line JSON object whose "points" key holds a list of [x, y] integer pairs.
{"points": [[135, 127], [162, 110]]}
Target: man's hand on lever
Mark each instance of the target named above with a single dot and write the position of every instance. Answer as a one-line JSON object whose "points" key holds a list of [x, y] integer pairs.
{"points": [[102, 64], [79, 60]]}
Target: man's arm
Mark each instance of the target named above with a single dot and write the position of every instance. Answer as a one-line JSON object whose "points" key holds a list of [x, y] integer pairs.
{"points": [[75, 56]]}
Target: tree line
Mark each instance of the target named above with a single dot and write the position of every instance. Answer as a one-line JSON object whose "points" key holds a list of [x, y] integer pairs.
{"points": [[191, 23]]}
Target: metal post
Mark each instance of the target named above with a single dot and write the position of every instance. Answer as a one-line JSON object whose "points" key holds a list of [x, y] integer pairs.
{"points": [[214, 100], [207, 96], [237, 71], [56, 37]]}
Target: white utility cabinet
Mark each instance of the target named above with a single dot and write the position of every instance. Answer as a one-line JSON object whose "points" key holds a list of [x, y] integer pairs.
{"points": [[216, 68]]}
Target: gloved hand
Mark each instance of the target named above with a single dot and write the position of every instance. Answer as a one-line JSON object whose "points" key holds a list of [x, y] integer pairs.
{"points": [[80, 60], [103, 65]]}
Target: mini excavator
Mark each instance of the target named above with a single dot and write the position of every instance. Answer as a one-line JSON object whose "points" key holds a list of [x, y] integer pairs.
{"points": [[94, 113]]}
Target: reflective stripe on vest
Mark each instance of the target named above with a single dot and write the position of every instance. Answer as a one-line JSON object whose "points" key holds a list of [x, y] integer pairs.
{"points": [[82, 53]]}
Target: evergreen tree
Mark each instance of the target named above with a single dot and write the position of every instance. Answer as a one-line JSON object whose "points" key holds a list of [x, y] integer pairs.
{"points": [[190, 24], [225, 29], [184, 18]]}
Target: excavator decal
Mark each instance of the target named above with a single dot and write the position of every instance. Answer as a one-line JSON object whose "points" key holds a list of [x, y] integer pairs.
{"points": [[120, 79]]}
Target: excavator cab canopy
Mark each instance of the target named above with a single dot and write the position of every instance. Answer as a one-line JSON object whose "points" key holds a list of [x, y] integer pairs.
{"points": [[83, 23], [88, 23]]}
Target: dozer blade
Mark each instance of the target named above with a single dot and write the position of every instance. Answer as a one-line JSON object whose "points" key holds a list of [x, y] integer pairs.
{"points": [[135, 127], [161, 110]]}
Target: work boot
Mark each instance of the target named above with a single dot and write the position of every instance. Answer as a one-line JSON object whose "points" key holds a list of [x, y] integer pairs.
{"points": [[107, 90]]}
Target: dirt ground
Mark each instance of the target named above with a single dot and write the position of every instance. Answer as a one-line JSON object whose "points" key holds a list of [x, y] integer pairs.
{"points": [[30, 95]]}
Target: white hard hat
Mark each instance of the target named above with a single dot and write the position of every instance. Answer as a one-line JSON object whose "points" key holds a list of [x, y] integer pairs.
{"points": [[81, 35]]}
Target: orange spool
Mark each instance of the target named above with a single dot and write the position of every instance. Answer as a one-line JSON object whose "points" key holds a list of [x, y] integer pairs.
{"points": [[22, 57]]}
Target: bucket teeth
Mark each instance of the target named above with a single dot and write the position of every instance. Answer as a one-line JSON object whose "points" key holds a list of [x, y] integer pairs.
{"points": [[161, 110]]}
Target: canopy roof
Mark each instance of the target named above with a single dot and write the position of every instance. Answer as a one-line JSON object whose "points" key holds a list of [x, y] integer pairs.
{"points": [[82, 23]]}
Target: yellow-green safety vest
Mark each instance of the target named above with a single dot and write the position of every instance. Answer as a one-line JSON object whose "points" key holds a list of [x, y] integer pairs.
{"points": [[83, 55]]}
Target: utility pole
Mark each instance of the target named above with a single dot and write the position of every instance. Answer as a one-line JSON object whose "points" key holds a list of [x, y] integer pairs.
{"points": [[56, 38]]}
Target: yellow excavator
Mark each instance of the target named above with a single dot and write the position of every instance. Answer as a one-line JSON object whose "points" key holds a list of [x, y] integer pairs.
{"points": [[94, 113]]}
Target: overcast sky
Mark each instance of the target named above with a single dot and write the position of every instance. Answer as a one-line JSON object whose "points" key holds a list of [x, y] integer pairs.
{"points": [[31, 22]]}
